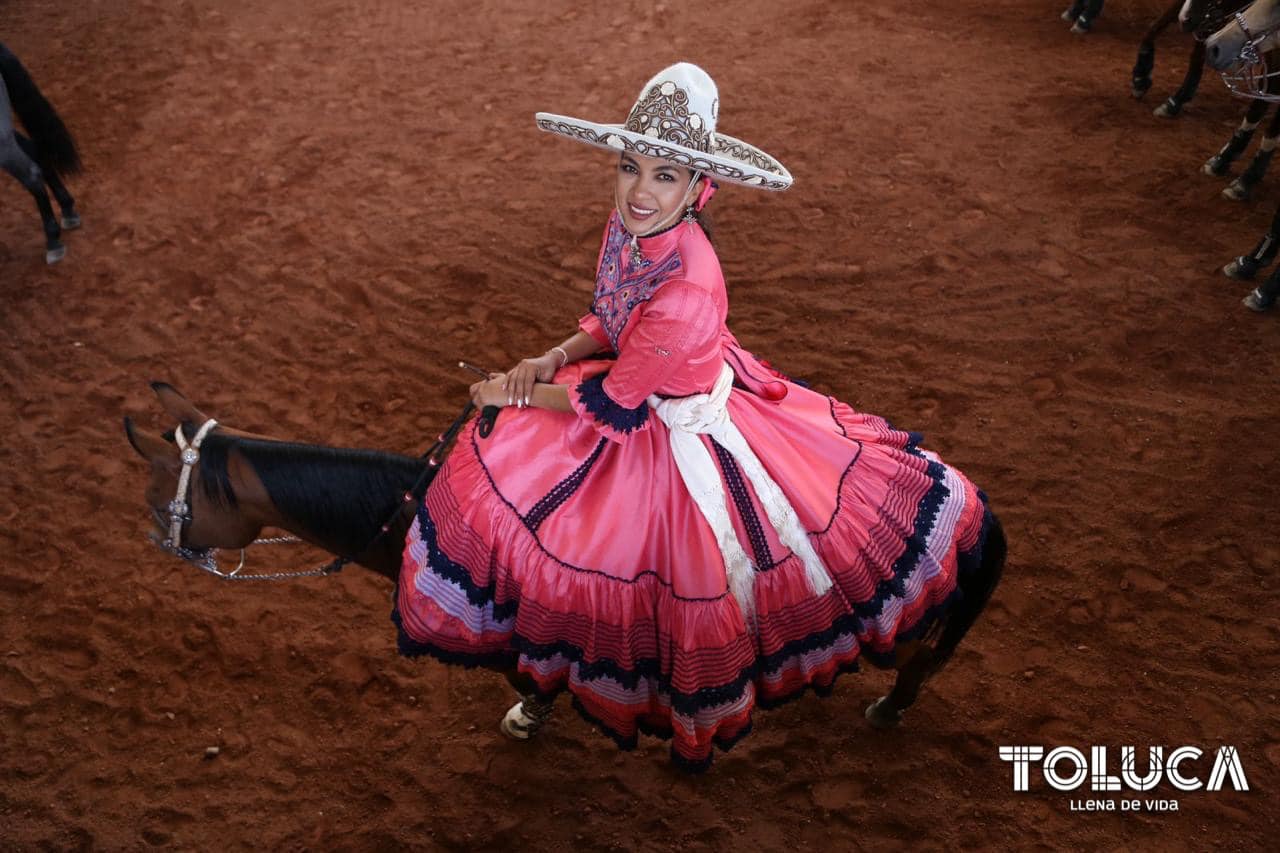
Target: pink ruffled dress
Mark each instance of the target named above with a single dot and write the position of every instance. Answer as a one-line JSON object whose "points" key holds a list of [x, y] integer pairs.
{"points": [[568, 545]]}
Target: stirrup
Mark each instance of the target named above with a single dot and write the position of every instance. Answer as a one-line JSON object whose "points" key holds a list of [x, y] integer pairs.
{"points": [[526, 717]]}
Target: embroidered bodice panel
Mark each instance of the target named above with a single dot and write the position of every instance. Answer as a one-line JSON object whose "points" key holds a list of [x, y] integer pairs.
{"points": [[621, 284]]}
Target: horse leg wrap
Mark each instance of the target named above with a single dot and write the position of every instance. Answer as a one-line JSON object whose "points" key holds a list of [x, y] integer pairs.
{"points": [[1261, 298], [1270, 289], [1246, 267], [1220, 162], [526, 717], [1242, 187], [1140, 77], [1261, 161]]}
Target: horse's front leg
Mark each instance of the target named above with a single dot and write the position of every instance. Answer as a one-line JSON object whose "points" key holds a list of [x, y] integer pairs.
{"points": [[1085, 16], [524, 719], [1140, 79], [914, 663], [1175, 102], [1245, 267], [1219, 163], [1262, 297], [16, 162], [1242, 187], [70, 219]]}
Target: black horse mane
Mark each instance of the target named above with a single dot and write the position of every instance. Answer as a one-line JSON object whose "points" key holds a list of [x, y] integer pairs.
{"points": [[55, 148], [340, 495]]}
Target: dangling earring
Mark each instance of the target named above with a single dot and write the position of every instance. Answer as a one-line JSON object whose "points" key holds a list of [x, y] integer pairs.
{"points": [[690, 215]]}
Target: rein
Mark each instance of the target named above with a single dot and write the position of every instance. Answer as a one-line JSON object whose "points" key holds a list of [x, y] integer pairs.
{"points": [[206, 559]]}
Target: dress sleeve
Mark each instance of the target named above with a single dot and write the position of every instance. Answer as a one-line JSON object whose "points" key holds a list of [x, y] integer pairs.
{"points": [[591, 325], [679, 321]]}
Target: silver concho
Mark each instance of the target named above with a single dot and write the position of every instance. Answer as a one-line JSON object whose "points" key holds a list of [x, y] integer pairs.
{"points": [[190, 456]]}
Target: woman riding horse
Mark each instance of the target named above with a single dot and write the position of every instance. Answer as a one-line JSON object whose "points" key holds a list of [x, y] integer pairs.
{"points": [[675, 532]]}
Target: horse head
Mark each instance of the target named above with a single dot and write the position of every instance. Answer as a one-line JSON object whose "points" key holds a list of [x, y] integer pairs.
{"points": [[1243, 40], [220, 501], [213, 487]]}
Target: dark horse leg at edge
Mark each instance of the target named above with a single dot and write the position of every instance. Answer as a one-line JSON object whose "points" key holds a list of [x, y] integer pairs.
{"points": [[338, 500], [1194, 16], [48, 154]]}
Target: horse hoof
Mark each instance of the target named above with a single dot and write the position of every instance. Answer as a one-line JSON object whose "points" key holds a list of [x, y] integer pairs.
{"points": [[526, 717], [1215, 167], [70, 221], [1242, 268], [1081, 27], [54, 255], [1069, 15], [1139, 88], [1236, 191], [881, 715], [1255, 301], [1169, 109]]}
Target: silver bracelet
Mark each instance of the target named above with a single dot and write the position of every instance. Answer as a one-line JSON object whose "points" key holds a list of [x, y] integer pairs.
{"points": [[563, 353]]}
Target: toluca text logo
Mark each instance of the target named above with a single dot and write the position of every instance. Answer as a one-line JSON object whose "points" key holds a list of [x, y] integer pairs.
{"points": [[1065, 768]]}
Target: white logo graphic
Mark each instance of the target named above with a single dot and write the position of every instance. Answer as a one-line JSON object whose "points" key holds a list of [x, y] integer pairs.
{"points": [[1065, 768]]}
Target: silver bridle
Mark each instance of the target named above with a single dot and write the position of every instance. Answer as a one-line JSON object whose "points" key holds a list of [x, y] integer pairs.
{"points": [[1249, 76], [179, 507], [179, 511]]}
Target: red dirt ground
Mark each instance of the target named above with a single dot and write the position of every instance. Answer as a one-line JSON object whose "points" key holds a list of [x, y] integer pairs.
{"points": [[304, 212]]}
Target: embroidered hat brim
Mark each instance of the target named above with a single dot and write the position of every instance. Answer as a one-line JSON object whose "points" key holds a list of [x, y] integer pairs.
{"points": [[729, 159]]}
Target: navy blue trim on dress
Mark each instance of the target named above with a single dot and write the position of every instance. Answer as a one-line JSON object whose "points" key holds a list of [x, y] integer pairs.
{"points": [[629, 742], [746, 509], [409, 647], [905, 565], [456, 573], [835, 513], [831, 404], [846, 625], [602, 407], [914, 439], [646, 574], [562, 491], [689, 704], [967, 562]]}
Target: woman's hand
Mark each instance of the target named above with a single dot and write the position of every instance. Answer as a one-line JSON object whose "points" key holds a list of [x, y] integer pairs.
{"points": [[490, 392], [521, 379]]}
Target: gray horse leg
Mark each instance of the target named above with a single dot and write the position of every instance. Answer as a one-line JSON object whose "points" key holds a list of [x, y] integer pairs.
{"points": [[70, 219], [16, 162]]}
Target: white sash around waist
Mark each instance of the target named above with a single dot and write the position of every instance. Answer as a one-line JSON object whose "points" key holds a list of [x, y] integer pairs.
{"points": [[707, 414]]}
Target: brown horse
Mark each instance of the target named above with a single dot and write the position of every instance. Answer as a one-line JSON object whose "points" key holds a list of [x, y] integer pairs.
{"points": [[359, 504]]}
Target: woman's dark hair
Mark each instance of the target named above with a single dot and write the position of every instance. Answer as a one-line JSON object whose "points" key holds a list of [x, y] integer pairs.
{"points": [[704, 218], [704, 222]]}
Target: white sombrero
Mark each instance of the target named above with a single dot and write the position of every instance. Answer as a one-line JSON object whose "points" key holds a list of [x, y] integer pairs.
{"points": [[675, 119]]}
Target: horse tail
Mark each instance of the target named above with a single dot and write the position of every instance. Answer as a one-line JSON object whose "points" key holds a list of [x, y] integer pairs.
{"points": [[976, 586], [55, 148]]}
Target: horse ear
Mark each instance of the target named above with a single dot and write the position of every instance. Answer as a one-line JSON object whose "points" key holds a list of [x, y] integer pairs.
{"points": [[178, 406], [149, 446]]}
